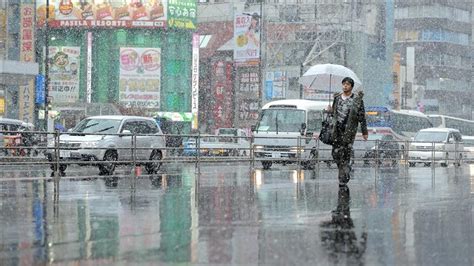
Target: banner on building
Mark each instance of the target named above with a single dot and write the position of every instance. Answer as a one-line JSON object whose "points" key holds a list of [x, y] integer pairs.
{"points": [[275, 85], [2, 106], [140, 77], [182, 14], [103, 13], [247, 36], [27, 33], [222, 108], [64, 73], [26, 110], [195, 81], [247, 97]]}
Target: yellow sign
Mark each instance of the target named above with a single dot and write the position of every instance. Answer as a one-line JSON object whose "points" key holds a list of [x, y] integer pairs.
{"points": [[2, 105]]}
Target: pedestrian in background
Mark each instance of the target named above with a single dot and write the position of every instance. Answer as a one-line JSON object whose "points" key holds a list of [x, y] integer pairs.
{"points": [[347, 111]]}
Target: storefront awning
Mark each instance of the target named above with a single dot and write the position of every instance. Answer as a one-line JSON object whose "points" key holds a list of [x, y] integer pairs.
{"points": [[17, 73]]}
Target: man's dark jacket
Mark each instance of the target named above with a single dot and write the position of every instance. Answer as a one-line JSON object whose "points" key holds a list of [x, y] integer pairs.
{"points": [[356, 116]]}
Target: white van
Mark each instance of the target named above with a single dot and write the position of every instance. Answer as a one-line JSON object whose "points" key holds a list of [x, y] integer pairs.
{"points": [[447, 144], [287, 128]]}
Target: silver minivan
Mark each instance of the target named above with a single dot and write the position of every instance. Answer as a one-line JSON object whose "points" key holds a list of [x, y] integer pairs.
{"points": [[443, 145], [109, 139]]}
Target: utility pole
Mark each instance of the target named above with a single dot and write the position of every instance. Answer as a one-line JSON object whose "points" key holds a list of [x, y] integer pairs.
{"points": [[46, 68]]}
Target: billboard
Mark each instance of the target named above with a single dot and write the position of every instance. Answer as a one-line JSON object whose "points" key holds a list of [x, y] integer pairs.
{"points": [[64, 62], [27, 33], [247, 36], [275, 85], [195, 81], [140, 77], [182, 14], [103, 13]]}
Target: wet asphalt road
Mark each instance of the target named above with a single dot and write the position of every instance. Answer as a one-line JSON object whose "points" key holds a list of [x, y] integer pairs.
{"points": [[232, 214]]}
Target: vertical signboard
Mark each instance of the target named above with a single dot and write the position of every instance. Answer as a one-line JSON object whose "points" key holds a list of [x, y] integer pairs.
{"points": [[26, 93], [39, 90], [247, 97], [140, 77], [89, 68], [247, 37], [182, 14], [27, 33], [26, 107], [2, 106], [195, 81], [222, 111], [64, 73]]}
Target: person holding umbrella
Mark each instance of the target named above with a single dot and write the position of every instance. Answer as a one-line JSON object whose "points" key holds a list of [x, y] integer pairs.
{"points": [[347, 112]]}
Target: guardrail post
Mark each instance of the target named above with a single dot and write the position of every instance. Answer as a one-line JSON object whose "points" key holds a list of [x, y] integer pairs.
{"points": [[432, 156], [298, 153], [198, 148], [406, 152], [377, 157], [251, 154], [56, 153]]}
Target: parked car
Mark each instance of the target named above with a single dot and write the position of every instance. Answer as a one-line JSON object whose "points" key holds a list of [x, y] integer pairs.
{"points": [[384, 148], [83, 144], [21, 134], [446, 142], [468, 148]]}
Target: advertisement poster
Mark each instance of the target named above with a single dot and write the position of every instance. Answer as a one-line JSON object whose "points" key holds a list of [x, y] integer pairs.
{"points": [[195, 81], [26, 109], [222, 110], [247, 97], [247, 36], [27, 33], [182, 14], [103, 13], [140, 77], [275, 85], [64, 73]]}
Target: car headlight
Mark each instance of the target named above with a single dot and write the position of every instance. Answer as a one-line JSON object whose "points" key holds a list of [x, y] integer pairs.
{"points": [[297, 149], [258, 147], [51, 143], [89, 144], [439, 147]]}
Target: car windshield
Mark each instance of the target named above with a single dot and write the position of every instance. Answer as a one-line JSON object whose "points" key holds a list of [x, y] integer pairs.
{"points": [[281, 120], [107, 126], [429, 136]]}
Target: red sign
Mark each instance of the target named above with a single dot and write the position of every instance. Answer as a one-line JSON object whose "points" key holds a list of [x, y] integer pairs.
{"points": [[27, 34]]}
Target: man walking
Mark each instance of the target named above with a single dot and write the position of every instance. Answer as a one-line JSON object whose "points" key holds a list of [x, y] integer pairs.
{"points": [[348, 111]]}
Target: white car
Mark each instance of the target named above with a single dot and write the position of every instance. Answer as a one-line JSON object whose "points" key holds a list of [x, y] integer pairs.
{"points": [[109, 139], [442, 145]]}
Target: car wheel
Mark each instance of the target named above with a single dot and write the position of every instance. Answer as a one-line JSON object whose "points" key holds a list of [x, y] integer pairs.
{"points": [[155, 165], [62, 167], [266, 165], [108, 168]]}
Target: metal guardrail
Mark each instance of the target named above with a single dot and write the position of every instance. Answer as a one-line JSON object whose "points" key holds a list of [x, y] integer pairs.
{"points": [[210, 148]]}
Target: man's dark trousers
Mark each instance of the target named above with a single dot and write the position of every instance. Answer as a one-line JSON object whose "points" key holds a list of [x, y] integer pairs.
{"points": [[341, 153]]}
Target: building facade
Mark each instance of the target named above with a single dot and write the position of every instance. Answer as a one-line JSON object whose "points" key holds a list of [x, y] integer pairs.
{"points": [[296, 35], [434, 42], [114, 57]]}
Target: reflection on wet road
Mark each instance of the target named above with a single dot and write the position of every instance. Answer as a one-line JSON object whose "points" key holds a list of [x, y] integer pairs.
{"points": [[223, 214]]}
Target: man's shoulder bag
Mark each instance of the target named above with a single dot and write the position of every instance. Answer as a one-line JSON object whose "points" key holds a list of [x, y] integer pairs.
{"points": [[325, 136]]}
